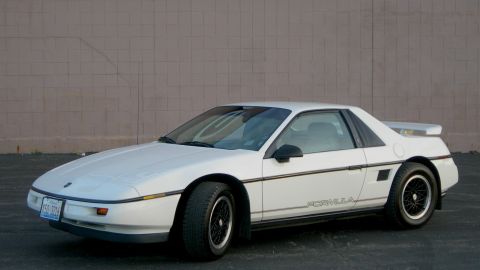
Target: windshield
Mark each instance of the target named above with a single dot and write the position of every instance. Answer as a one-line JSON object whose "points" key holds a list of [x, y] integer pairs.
{"points": [[229, 127]]}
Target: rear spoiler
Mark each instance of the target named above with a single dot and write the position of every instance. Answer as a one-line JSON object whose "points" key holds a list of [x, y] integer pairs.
{"points": [[420, 129]]}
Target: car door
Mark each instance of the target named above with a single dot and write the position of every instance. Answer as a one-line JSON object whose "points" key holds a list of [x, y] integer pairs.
{"points": [[327, 178]]}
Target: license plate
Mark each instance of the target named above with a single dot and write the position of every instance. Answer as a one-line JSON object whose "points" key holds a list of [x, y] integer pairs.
{"points": [[51, 209]]}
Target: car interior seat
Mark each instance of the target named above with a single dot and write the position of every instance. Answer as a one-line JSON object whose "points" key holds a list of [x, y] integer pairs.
{"points": [[322, 137]]}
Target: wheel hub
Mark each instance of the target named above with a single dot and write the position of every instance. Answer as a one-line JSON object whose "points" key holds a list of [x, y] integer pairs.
{"points": [[221, 220], [416, 197]]}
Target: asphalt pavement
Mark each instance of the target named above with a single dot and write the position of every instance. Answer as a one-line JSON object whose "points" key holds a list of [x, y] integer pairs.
{"points": [[451, 240]]}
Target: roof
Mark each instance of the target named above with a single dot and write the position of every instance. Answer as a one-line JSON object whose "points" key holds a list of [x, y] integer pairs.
{"points": [[293, 106]]}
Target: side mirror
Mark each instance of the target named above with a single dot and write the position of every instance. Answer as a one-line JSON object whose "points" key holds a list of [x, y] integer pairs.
{"points": [[287, 151]]}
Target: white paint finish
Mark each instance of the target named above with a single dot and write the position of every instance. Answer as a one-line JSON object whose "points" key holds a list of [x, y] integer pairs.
{"points": [[142, 217], [146, 169], [241, 164], [448, 172], [151, 168], [374, 193], [297, 191], [424, 147], [407, 128], [398, 151], [255, 196], [373, 189]]}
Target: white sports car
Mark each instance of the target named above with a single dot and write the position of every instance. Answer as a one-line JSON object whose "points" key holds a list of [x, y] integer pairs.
{"points": [[248, 166]]}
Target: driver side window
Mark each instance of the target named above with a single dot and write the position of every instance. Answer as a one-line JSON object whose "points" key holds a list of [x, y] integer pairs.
{"points": [[315, 132]]}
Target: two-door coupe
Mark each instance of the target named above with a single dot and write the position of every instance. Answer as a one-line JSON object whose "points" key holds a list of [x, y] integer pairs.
{"points": [[249, 166]]}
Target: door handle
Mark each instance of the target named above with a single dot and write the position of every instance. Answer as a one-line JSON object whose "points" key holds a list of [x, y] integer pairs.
{"points": [[355, 167]]}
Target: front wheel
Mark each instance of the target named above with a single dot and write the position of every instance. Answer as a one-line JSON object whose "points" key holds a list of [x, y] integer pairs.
{"points": [[412, 197], [208, 221]]}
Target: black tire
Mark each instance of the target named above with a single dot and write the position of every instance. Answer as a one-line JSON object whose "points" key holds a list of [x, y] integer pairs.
{"points": [[412, 197], [207, 228]]}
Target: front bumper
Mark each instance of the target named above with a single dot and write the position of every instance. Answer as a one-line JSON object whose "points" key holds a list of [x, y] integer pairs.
{"points": [[140, 221]]}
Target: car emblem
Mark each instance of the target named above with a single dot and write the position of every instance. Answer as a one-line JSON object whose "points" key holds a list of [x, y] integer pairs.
{"points": [[67, 184]]}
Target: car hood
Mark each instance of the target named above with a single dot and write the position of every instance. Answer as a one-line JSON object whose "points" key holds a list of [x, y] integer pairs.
{"points": [[136, 171]]}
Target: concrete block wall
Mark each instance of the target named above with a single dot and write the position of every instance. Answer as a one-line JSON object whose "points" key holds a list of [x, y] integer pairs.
{"points": [[426, 65], [88, 75]]}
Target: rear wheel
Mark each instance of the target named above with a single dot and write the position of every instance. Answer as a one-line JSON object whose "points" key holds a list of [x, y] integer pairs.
{"points": [[412, 197], [208, 221]]}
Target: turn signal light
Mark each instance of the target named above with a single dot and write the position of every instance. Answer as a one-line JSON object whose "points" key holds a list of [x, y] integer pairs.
{"points": [[102, 211]]}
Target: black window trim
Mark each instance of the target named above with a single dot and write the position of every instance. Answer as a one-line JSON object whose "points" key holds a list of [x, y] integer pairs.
{"points": [[351, 129], [359, 135], [357, 139]]}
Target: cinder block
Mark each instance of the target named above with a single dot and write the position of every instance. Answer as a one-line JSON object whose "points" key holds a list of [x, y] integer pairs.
{"points": [[104, 56]]}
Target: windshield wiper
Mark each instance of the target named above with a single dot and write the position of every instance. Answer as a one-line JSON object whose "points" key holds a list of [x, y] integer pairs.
{"points": [[197, 143], [166, 139]]}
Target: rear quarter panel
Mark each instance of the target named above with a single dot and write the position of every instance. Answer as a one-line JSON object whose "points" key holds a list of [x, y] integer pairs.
{"points": [[399, 148]]}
